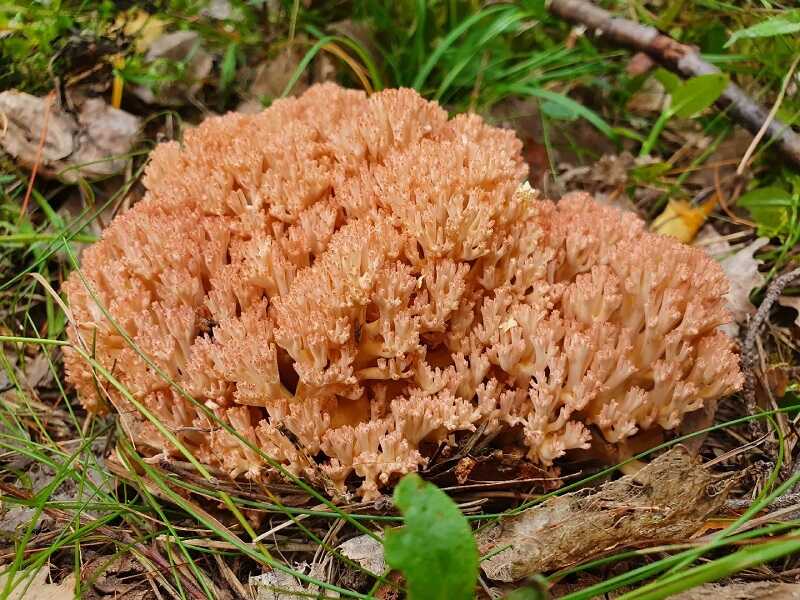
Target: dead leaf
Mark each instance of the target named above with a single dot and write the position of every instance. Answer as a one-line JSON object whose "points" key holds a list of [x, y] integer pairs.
{"points": [[606, 179], [37, 371], [741, 267], [73, 148], [791, 302], [140, 25], [272, 76], [276, 585], [650, 99], [219, 9], [366, 551], [38, 475], [759, 590], [742, 271], [178, 46], [668, 499], [115, 577], [40, 588]]}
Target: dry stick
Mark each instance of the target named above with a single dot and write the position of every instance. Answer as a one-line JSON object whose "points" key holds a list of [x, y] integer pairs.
{"points": [[683, 59], [749, 345]]}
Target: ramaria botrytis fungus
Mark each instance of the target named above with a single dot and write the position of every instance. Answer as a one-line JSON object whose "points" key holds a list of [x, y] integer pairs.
{"points": [[350, 281]]}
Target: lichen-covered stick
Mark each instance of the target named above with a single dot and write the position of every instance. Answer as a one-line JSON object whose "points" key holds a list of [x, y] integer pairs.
{"points": [[683, 59], [352, 282], [774, 291]]}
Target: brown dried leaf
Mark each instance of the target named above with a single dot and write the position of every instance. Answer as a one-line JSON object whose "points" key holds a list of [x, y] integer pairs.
{"points": [[742, 271], [741, 267], [272, 76], [178, 46], [668, 499], [649, 99], [41, 589], [276, 585], [791, 302], [366, 551], [72, 148], [120, 577]]}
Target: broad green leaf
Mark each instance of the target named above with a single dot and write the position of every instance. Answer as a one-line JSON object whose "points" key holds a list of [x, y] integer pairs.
{"points": [[668, 79], [435, 548], [697, 94], [771, 209], [783, 24]]}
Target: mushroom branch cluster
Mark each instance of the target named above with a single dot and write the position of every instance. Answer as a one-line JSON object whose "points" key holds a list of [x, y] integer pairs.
{"points": [[351, 283]]}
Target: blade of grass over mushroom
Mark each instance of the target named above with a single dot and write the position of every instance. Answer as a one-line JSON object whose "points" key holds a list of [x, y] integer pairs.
{"points": [[789, 408], [224, 533], [204, 409], [129, 453], [233, 502]]}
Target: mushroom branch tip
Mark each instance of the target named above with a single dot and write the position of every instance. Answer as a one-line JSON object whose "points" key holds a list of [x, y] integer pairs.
{"points": [[351, 282]]}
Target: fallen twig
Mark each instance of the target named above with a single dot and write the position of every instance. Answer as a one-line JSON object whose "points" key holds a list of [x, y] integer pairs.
{"points": [[774, 291], [683, 59], [785, 501]]}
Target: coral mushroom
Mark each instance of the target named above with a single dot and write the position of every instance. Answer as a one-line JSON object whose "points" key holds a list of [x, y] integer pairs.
{"points": [[349, 282]]}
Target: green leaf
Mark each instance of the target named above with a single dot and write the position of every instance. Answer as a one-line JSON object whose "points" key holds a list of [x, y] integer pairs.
{"points": [[558, 111], [228, 69], [650, 173], [788, 22], [536, 589], [668, 79], [435, 548], [697, 94], [566, 103], [771, 209]]}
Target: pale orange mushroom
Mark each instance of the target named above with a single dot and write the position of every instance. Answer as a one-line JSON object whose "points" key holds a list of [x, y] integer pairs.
{"points": [[349, 281]]}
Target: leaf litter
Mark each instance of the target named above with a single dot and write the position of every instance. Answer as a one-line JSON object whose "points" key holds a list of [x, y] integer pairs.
{"points": [[91, 143], [667, 500]]}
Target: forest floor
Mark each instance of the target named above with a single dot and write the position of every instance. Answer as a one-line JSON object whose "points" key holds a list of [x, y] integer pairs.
{"points": [[82, 512]]}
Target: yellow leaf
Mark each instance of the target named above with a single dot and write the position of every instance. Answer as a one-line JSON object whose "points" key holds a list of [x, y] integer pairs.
{"points": [[141, 25], [681, 220]]}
